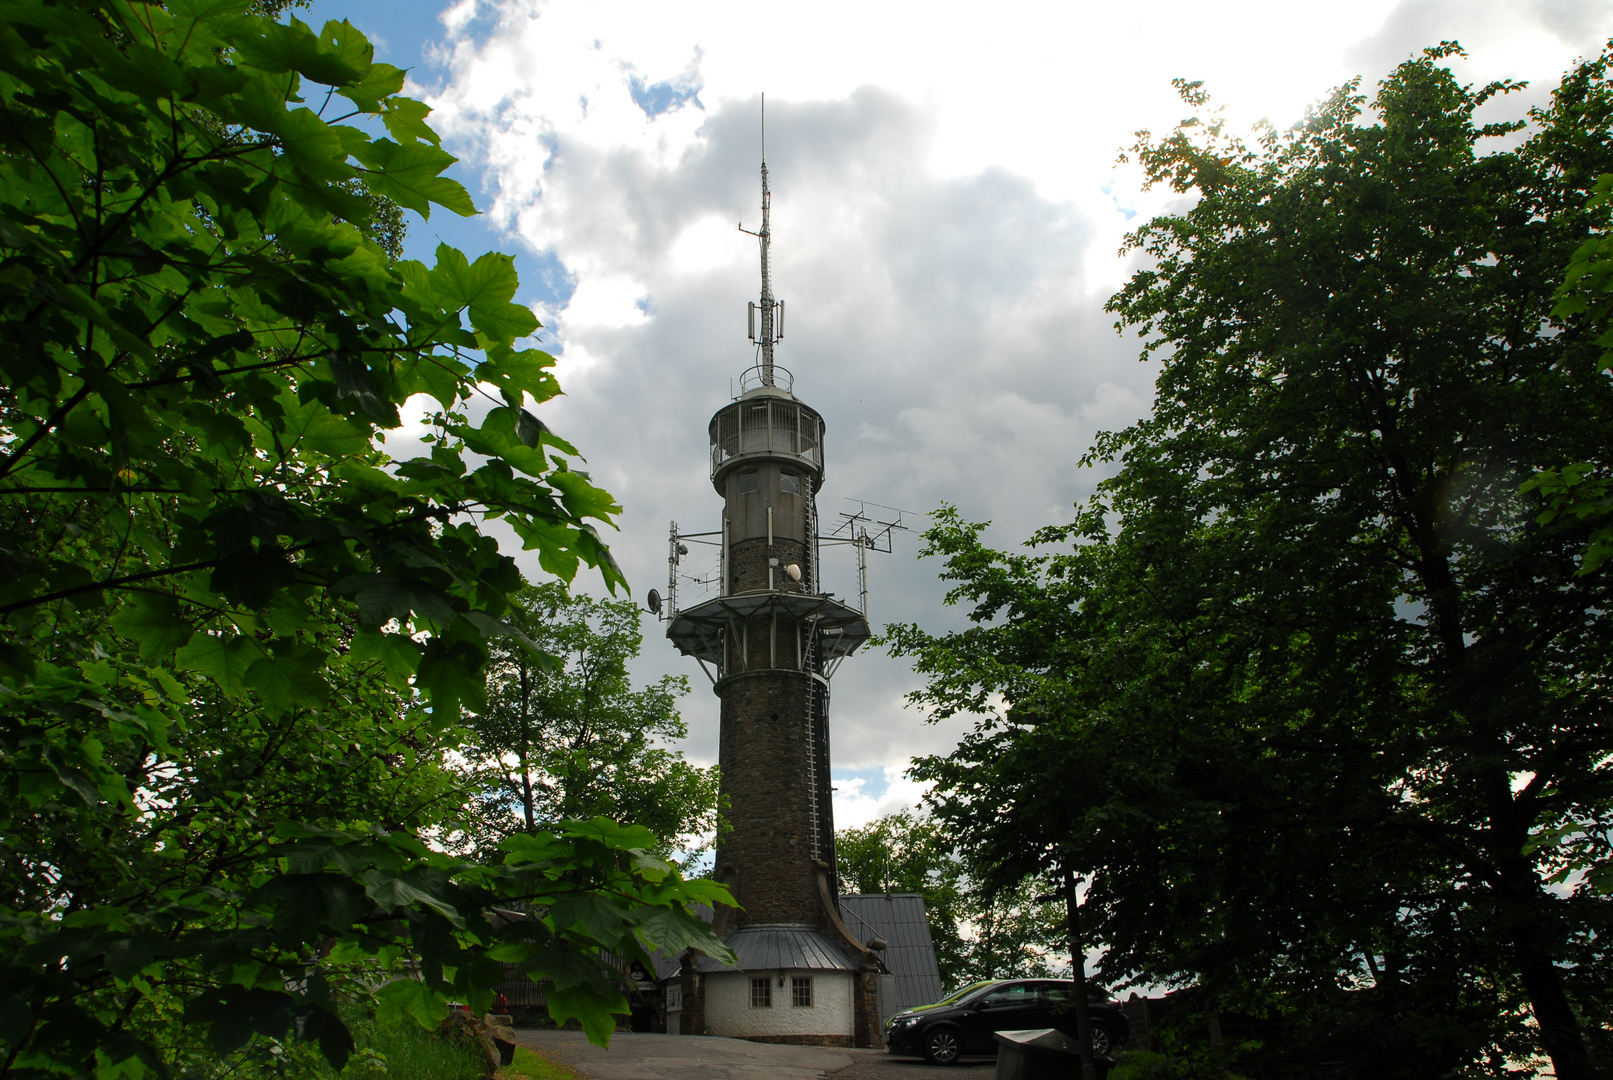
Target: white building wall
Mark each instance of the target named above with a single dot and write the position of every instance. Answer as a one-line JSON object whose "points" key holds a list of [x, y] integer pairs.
{"points": [[729, 1011]]}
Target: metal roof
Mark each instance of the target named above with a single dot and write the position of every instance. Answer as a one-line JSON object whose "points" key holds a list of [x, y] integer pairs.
{"points": [[697, 631], [779, 947], [901, 920]]}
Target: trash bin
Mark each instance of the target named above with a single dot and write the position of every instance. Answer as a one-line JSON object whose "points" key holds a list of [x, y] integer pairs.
{"points": [[1041, 1054]]}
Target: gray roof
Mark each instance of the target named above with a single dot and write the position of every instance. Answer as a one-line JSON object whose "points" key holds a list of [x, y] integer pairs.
{"points": [[779, 946], [900, 919]]}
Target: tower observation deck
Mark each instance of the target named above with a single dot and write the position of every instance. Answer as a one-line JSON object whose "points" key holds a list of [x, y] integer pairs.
{"points": [[770, 639]]}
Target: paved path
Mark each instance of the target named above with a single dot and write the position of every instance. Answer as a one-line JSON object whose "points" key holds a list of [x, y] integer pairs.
{"points": [[689, 1057], [878, 1065]]}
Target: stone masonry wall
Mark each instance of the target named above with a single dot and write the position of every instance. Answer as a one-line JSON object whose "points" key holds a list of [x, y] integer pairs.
{"points": [[766, 855], [747, 565], [867, 1031]]}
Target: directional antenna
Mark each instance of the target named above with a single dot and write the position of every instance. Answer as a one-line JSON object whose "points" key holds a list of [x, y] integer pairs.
{"points": [[771, 311]]}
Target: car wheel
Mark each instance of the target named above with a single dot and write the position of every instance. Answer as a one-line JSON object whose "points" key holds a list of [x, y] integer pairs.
{"points": [[1101, 1044], [941, 1047]]}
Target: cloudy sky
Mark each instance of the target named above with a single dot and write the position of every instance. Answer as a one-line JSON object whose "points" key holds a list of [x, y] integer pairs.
{"points": [[947, 214]]}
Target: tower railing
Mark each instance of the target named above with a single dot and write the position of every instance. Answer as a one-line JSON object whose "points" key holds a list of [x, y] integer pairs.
{"points": [[766, 426], [755, 378]]}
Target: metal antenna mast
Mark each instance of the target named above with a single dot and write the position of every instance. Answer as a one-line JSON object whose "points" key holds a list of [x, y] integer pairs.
{"points": [[772, 311]]}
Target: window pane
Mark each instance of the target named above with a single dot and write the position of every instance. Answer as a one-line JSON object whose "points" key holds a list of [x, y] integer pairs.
{"points": [[1009, 995], [801, 991], [789, 483], [761, 993], [747, 482]]}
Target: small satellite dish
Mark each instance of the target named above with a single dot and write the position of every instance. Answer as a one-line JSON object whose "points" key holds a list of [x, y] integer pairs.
{"points": [[793, 571], [653, 602]]}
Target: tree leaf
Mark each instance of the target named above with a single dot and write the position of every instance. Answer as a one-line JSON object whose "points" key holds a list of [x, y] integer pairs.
{"points": [[287, 677], [152, 621], [223, 659], [392, 892], [293, 46], [598, 917], [325, 1027], [405, 119], [397, 654], [404, 999], [595, 1012], [410, 174], [382, 599]]}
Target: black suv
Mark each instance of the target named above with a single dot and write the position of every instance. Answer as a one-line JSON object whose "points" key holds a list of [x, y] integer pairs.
{"points": [[965, 1022]]}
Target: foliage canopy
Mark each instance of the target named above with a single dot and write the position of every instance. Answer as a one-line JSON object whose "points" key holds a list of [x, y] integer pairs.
{"points": [[1325, 712], [566, 735], [979, 932], [236, 634]]}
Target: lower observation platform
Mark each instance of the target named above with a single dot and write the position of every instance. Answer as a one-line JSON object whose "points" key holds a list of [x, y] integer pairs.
{"points": [[708, 630]]}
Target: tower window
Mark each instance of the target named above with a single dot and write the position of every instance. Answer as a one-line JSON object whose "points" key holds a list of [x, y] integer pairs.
{"points": [[747, 482], [801, 991], [789, 483], [761, 993]]}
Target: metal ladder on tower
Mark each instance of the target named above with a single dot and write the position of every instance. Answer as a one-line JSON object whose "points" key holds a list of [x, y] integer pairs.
{"points": [[808, 665], [810, 556]]}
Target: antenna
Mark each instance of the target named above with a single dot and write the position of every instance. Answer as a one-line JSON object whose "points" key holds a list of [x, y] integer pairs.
{"points": [[771, 310], [855, 523]]}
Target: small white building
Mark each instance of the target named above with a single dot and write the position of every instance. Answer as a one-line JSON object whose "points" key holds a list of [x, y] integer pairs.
{"points": [[790, 985]]}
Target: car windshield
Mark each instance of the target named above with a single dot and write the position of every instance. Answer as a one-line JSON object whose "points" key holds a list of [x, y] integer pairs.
{"points": [[964, 993]]}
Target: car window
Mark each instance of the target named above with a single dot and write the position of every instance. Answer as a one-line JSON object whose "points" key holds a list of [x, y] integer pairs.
{"points": [[964, 993], [1010, 995], [1055, 994]]}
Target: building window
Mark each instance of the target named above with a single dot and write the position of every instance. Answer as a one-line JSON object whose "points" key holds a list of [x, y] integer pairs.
{"points": [[761, 993], [801, 991], [747, 482], [789, 483]]}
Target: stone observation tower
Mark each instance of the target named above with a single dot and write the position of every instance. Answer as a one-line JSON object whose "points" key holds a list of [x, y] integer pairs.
{"points": [[769, 640]]}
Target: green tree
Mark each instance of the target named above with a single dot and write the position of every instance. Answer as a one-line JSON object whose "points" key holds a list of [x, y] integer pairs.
{"points": [[565, 734], [236, 633], [979, 931], [1583, 489], [1013, 933], [1339, 677], [910, 853]]}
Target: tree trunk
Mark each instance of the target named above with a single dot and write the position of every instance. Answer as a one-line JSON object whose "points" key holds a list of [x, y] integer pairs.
{"points": [[1078, 972], [1559, 1028], [526, 746]]}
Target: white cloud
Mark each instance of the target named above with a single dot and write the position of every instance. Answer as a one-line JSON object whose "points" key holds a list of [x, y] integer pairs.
{"points": [[947, 215], [604, 302], [855, 805]]}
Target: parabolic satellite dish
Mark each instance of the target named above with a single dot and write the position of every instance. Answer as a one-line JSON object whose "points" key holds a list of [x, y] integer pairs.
{"points": [[653, 602]]}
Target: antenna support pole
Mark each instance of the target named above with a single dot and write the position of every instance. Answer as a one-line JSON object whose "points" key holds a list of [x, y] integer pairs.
{"points": [[770, 309], [862, 570], [672, 572]]}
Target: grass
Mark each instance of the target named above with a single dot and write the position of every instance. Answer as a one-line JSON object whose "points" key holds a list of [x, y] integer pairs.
{"points": [[529, 1066], [408, 1052]]}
